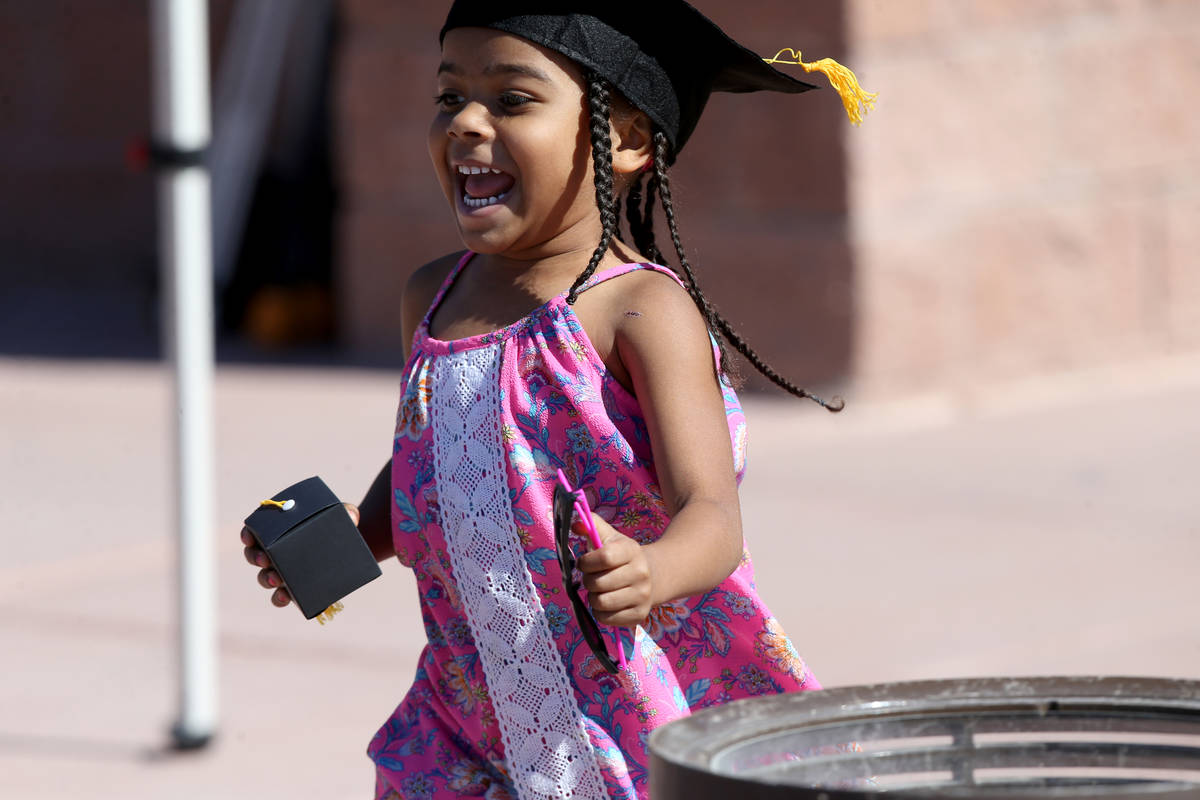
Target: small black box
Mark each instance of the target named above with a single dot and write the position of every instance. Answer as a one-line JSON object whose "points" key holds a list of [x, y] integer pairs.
{"points": [[313, 545]]}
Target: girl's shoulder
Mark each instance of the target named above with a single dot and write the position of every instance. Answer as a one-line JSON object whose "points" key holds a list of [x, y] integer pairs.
{"points": [[645, 316], [427, 279], [650, 295], [422, 288]]}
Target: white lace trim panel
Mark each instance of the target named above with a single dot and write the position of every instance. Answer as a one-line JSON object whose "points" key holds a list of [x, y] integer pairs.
{"points": [[547, 749]]}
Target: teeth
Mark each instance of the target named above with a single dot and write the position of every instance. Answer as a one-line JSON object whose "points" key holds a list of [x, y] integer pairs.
{"points": [[480, 202]]}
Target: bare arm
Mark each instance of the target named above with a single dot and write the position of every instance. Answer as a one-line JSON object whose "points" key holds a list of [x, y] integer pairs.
{"points": [[667, 352], [374, 515]]}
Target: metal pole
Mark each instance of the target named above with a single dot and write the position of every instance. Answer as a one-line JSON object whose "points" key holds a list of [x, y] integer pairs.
{"points": [[182, 130]]}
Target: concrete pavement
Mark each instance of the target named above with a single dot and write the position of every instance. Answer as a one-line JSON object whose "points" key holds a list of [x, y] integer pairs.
{"points": [[1049, 527]]}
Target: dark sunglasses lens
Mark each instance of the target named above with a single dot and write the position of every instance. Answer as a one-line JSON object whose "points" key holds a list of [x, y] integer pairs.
{"points": [[591, 634], [564, 505]]}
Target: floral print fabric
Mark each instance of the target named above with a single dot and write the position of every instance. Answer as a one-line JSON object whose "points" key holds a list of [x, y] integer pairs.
{"points": [[559, 408]]}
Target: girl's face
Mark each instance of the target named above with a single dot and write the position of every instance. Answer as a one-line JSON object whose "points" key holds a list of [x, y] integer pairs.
{"points": [[510, 146]]}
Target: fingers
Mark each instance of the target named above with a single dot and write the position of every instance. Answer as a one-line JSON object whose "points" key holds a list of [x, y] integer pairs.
{"points": [[615, 579], [615, 551], [618, 580], [579, 529], [626, 607], [256, 556], [626, 618], [627, 597], [624, 589], [607, 532], [252, 551], [352, 510], [268, 578]]}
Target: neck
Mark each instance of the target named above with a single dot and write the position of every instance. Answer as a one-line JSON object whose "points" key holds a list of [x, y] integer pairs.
{"points": [[566, 251], [553, 266], [534, 264]]}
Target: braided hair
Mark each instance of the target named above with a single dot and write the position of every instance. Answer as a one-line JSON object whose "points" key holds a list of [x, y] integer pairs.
{"points": [[639, 212], [599, 114]]}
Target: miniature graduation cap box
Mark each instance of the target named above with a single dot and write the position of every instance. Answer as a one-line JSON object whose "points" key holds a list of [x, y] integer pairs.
{"points": [[313, 545], [664, 56]]}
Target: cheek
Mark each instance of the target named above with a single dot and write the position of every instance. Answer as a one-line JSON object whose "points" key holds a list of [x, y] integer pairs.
{"points": [[581, 156], [437, 143], [568, 158], [435, 137]]}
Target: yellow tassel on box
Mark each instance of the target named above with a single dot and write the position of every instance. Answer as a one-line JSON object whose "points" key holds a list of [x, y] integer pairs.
{"points": [[282, 505], [856, 100], [330, 612]]}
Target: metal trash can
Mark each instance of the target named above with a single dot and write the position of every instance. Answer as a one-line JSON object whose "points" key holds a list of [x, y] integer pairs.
{"points": [[993, 738]]}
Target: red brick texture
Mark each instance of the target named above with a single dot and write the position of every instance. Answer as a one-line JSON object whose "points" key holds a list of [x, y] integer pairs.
{"points": [[71, 99], [1025, 198]]}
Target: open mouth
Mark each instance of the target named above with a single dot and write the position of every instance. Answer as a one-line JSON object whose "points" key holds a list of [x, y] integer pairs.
{"points": [[483, 186]]}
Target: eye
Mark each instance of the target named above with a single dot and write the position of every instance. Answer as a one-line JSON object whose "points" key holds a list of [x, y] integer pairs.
{"points": [[448, 100], [513, 100]]}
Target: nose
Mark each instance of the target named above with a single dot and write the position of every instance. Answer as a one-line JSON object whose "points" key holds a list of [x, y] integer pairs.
{"points": [[470, 121]]}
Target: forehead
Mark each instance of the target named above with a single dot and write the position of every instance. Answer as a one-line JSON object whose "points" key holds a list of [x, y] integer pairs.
{"points": [[483, 51]]}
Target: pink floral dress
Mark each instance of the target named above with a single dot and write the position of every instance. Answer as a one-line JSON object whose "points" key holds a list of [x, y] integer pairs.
{"points": [[508, 700]]}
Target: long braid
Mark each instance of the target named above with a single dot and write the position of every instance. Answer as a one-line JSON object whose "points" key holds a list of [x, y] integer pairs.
{"points": [[599, 107], [714, 320], [834, 404], [647, 226], [633, 209], [641, 218], [661, 152], [642, 230]]}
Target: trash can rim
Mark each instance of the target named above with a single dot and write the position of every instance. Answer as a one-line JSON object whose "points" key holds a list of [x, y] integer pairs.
{"points": [[693, 741]]}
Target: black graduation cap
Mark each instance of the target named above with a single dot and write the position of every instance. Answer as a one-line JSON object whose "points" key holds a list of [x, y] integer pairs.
{"points": [[664, 56], [313, 545]]}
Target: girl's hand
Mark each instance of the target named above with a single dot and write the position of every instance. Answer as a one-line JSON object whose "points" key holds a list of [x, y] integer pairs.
{"points": [[268, 578], [618, 577]]}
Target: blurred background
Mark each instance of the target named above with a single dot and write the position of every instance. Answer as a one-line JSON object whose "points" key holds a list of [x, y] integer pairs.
{"points": [[998, 270]]}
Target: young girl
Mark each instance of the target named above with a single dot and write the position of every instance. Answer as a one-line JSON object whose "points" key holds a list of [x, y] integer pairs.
{"points": [[555, 344]]}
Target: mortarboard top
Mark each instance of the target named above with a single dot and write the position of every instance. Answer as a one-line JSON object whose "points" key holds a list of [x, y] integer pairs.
{"points": [[664, 56]]}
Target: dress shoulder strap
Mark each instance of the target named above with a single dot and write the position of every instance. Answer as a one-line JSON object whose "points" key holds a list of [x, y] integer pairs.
{"points": [[451, 277], [623, 269]]}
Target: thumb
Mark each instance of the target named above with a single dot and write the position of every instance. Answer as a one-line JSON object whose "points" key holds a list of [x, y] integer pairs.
{"points": [[605, 531], [352, 510]]}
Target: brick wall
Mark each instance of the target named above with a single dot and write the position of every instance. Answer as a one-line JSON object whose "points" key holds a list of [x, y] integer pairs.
{"points": [[78, 246], [1026, 197], [1022, 201], [74, 91]]}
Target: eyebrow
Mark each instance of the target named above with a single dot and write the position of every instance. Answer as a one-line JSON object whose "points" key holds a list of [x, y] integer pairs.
{"points": [[498, 69]]}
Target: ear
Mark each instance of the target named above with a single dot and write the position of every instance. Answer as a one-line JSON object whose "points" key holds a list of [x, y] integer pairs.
{"points": [[633, 142]]}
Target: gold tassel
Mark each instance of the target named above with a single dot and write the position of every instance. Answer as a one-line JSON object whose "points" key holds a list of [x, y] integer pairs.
{"points": [[856, 100], [282, 505], [330, 613]]}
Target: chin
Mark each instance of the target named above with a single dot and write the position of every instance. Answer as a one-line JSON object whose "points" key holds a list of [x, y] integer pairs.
{"points": [[483, 243]]}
